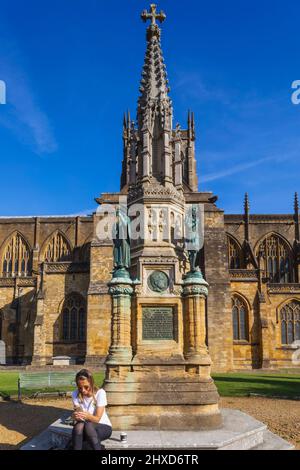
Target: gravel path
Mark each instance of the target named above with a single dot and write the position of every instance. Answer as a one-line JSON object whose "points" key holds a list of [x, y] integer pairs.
{"points": [[281, 416], [21, 421]]}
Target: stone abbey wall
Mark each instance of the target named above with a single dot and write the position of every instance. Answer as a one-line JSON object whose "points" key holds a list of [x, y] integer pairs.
{"points": [[31, 297], [264, 297], [31, 306], [55, 272]]}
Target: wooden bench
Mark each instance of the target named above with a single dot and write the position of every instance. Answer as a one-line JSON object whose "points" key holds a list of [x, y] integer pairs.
{"points": [[45, 380]]}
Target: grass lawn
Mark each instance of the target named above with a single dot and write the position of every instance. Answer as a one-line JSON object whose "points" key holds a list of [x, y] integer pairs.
{"points": [[229, 385], [273, 384], [9, 384]]}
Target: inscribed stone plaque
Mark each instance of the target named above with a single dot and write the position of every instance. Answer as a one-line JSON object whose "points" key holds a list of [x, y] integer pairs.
{"points": [[158, 323]]}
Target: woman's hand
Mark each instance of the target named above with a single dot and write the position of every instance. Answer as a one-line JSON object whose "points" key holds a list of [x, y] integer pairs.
{"points": [[85, 416], [81, 415]]}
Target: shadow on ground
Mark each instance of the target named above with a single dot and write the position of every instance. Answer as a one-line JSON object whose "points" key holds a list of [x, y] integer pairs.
{"points": [[19, 422]]}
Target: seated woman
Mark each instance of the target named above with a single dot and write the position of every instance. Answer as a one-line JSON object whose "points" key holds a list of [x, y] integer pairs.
{"points": [[91, 421]]}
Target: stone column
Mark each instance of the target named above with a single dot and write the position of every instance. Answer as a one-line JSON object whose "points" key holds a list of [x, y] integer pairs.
{"points": [[146, 165], [166, 158], [264, 320], [265, 332], [195, 293], [36, 247], [178, 164], [120, 350], [39, 337]]}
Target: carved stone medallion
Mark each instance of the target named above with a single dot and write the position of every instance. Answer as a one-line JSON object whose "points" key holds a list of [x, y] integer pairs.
{"points": [[158, 281]]}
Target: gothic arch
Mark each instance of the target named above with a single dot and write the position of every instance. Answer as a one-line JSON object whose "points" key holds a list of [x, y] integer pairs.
{"points": [[283, 304], [16, 256], [289, 319], [275, 234], [73, 318], [240, 317], [277, 257], [56, 248], [234, 252], [243, 298]]}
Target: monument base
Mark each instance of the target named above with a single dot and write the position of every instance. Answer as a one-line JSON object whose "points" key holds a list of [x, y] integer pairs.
{"points": [[239, 432], [162, 417], [165, 396]]}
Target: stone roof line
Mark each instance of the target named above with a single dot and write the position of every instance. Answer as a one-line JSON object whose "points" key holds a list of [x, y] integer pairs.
{"points": [[44, 216]]}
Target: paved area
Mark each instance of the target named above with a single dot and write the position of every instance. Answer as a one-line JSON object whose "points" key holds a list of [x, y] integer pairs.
{"points": [[21, 422]]}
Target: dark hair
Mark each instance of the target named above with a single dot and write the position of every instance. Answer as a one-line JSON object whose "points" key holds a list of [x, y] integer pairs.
{"points": [[85, 374]]}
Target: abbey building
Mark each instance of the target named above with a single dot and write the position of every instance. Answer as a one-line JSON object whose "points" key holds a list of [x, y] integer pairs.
{"points": [[55, 272]]}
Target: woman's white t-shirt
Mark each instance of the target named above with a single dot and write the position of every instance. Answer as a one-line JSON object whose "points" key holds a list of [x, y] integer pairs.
{"points": [[88, 404]]}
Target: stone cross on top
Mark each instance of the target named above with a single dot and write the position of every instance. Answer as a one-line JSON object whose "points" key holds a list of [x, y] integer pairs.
{"points": [[153, 15]]}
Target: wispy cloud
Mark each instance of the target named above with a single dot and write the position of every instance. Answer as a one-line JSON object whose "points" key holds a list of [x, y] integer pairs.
{"points": [[234, 169], [22, 114], [279, 158]]}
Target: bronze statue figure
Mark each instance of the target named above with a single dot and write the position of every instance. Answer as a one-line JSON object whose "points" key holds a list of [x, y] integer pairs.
{"points": [[121, 240], [192, 239]]}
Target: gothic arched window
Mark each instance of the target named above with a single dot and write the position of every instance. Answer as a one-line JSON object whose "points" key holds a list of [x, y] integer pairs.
{"points": [[277, 259], [74, 318], [290, 322], [234, 254], [240, 319], [57, 249], [16, 257]]}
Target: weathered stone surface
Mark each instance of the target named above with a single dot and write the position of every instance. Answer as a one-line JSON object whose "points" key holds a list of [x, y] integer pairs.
{"points": [[238, 432]]}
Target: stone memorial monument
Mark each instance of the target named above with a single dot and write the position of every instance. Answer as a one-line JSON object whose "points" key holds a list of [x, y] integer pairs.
{"points": [[149, 305], [158, 368]]}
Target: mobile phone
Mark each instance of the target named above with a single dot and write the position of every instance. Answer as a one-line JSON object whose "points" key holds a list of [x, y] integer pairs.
{"points": [[78, 409]]}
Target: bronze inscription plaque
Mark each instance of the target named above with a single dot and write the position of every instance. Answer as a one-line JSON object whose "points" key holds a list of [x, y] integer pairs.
{"points": [[158, 323]]}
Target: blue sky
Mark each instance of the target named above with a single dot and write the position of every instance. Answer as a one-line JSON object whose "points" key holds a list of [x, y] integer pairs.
{"points": [[73, 67]]}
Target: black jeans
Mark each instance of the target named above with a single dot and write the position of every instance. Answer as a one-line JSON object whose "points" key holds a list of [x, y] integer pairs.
{"points": [[93, 433]]}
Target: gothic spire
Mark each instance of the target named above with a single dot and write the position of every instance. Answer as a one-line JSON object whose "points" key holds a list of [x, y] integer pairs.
{"points": [[246, 204], [296, 204], [154, 113], [296, 217], [250, 260], [154, 152], [154, 85], [246, 216]]}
